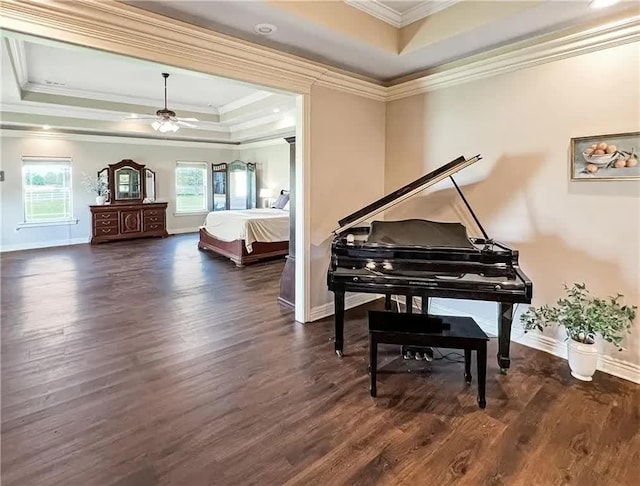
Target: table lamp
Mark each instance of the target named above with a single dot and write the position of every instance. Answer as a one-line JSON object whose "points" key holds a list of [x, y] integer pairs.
{"points": [[266, 194]]}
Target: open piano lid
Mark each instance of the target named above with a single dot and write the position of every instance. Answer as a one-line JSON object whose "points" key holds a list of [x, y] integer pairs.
{"points": [[405, 192]]}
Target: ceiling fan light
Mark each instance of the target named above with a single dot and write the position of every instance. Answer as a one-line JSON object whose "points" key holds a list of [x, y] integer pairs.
{"points": [[164, 126]]}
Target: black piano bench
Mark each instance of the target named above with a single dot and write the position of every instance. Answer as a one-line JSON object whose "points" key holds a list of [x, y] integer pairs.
{"points": [[422, 330]]}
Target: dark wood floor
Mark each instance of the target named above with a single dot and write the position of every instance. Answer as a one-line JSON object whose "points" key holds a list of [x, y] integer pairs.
{"points": [[148, 362]]}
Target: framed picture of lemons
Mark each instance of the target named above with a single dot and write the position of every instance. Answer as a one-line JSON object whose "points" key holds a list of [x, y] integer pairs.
{"points": [[606, 157]]}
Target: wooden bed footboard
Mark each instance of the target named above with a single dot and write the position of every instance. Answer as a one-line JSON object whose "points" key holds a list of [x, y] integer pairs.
{"points": [[236, 250]]}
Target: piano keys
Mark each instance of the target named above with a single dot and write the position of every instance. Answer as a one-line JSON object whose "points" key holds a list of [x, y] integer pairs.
{"points": [[425, 259]]}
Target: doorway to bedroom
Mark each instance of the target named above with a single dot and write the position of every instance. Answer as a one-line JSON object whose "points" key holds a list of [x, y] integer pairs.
{"points": [[213, 145]]}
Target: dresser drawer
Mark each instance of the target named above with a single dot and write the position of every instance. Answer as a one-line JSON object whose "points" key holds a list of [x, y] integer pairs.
{"points": [[113, 231], [106, 216], [148, 219], [105, 223], [153, 226], [159, 213]]}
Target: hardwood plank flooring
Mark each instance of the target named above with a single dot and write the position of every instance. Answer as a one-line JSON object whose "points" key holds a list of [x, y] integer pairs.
{"points": [[148, 363]]}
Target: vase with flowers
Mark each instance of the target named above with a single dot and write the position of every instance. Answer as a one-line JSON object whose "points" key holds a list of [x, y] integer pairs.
{"points": [[98, 186], [584, 317]]}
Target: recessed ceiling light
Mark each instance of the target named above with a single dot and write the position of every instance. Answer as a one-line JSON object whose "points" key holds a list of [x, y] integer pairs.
{"points": [[276, 110], [603, 3], [46, 127], [264, 29]]}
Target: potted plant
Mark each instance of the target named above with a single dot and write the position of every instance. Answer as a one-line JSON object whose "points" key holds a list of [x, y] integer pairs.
{"points": [[97, 185], [584, 317]]}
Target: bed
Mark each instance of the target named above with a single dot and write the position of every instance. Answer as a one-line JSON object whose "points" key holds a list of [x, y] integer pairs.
{"points": [[246, 235]]}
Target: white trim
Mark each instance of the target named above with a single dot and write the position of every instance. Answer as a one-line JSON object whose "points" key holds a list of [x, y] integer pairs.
{"points": [[264, 143], [350, 301], [39, 224], [302, 308], [181, 231], [150, 104], [194, 213], [123, 29], [523, 55], [400, 19], [424, 9], [378, 10], [244, 101], [19, 57], [43, 244], [116, 139], [606, 364]]}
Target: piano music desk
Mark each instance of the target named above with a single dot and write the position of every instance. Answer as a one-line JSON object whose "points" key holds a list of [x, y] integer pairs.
{"points": [[438, 331]]}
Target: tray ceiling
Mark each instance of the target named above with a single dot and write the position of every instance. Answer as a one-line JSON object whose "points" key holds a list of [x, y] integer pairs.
{"points": [[69, 87], [356, 36]]}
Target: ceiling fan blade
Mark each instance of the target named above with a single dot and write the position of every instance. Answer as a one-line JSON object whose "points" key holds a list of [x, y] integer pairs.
{"points": [[185, 124], [187, 119]]}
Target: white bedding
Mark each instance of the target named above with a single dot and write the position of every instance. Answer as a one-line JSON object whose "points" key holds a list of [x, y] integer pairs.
{"points": [[250, 225]]}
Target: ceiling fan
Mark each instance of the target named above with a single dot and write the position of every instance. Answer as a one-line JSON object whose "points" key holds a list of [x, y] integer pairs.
{"points": [[165, 120]]}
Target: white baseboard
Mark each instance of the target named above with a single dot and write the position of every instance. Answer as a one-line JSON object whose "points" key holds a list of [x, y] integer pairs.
{"points": [[43, 244], [180, 231], [350, 301], [606, 364]]}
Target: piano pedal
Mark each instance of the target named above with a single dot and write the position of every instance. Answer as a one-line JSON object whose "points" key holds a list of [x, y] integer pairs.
{"points": [[418, 356]]}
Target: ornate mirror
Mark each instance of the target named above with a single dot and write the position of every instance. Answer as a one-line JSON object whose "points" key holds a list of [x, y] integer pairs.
{"points": [[127, 182]]}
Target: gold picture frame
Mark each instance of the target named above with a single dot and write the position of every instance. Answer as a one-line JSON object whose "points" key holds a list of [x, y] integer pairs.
{"points": [[614, 159]]}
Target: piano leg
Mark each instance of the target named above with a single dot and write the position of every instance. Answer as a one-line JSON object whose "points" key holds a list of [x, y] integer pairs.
{"points": [[339, 321], [425, 304], [387, 302], [504, 335]]}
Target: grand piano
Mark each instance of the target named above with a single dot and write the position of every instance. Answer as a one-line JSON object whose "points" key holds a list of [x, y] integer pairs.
{"points": [[420, 258]]}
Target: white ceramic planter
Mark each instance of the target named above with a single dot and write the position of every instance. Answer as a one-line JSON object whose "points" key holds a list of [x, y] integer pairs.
{"points": [[583, 359], [100, 200]]}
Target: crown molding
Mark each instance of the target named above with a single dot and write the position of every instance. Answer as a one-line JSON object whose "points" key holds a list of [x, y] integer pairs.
{"points": [[18, 57], [263, 143], [244, 101], [150, 103], [353, 85], [523, 55], [123, 29], [425, 9], [93, 137], [378, 10], [392, 17]]}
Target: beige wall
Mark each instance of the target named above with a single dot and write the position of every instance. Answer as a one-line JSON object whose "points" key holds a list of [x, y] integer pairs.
{"points": [[347, 170], [521, 123], [273, 166], [89, 157]]}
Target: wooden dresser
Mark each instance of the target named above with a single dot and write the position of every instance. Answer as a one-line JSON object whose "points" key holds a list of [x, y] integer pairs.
{"points": [[124, 221]]}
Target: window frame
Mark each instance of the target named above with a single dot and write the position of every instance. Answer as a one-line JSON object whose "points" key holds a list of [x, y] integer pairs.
{"points": [[204, 166], [35, 160]]}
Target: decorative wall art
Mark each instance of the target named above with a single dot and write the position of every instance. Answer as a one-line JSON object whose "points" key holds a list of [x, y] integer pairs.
{"points": [[605, 157]]}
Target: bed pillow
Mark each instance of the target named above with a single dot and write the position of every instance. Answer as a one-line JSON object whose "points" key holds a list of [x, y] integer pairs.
{"points": [[286, 206], [281, 201]]}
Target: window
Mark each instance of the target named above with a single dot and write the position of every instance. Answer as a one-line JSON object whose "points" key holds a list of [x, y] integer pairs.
{"points": [[46, 189], [191, 187]]}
